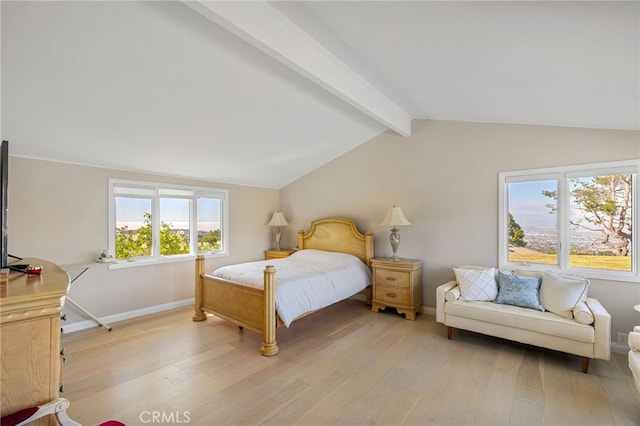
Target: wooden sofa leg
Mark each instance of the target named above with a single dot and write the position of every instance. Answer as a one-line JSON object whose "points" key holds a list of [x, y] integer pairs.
{"points": [[585, 364], [449, 332]]}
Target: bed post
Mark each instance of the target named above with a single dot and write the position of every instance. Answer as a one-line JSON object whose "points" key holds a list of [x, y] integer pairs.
{"points": [[368, 247], [269, 344], [199, 314]]}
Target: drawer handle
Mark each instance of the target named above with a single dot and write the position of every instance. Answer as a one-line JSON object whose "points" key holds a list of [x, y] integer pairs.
{"points": [[391, 295], [390, 278]]}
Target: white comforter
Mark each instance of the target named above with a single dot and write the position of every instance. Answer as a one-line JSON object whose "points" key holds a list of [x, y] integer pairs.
{"points": [[305, 281]]}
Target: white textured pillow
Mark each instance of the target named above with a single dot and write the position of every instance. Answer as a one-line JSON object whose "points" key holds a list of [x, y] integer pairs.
{"points": [[582, 313], [477, 284], [561, 293], [634, 341]]}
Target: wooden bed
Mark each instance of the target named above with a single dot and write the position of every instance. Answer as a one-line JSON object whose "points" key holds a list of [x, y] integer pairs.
{"points": [[254, 308]]}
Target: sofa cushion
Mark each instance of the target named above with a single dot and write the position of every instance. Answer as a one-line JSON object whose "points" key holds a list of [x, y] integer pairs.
{"points": [[528, 319], [477, 284], [518, 291], [560, 293]]}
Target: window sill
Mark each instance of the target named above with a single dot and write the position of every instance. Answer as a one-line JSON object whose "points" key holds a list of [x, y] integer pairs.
{"points": [[132, 263], [592, 274]]}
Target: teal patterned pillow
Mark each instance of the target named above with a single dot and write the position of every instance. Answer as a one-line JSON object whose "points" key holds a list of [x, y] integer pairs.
{"points": [[519, 291]]}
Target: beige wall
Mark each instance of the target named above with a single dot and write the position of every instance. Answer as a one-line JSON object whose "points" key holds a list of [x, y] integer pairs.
{"points": [[445, 178], [59, 212]]}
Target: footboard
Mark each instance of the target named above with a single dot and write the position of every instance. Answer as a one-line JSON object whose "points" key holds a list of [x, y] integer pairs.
{"points": [[249, 307]]}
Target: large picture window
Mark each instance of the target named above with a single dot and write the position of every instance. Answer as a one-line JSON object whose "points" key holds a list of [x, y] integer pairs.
{"points": [[154, 222], [578, 218]]}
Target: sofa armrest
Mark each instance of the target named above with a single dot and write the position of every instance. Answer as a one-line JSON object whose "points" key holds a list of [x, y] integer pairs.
{"points": [[441, 292], [602, 326]]}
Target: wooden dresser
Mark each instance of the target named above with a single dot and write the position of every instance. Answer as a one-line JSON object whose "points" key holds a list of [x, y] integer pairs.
{"points": [[30, 308]]}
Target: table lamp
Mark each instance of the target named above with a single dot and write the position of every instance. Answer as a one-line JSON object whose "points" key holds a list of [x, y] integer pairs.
{"points": [[278, 220], [395, 218]]}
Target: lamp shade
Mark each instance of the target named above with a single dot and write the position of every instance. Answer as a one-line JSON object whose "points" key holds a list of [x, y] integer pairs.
{"points": [[395, 217], [278, 219]]}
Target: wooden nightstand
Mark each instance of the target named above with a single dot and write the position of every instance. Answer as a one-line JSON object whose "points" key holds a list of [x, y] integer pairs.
{"points": [[398, 284], [277, 254]]}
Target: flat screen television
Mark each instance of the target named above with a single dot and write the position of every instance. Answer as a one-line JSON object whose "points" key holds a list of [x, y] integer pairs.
{"points": [[4, 211]]}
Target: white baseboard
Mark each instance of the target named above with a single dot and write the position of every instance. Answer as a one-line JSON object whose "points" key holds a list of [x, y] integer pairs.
{"points": [[429, 311], [621, 349], [83, 325]]}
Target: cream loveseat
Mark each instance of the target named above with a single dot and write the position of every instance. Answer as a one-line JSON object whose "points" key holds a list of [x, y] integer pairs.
{"points": [[551, 311]]}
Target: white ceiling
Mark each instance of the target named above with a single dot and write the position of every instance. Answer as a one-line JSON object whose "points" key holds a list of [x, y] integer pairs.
{"points": [[262, 93]]}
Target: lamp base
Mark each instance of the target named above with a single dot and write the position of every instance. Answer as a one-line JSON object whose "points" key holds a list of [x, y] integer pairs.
{"points": [[277, 234], [394, 239]]}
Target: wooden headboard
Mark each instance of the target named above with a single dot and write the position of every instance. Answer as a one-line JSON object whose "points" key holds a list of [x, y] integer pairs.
{"points": [[340, 235]]}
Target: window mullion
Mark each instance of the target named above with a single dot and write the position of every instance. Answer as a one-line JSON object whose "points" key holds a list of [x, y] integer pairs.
{"points": [[155, 223], [193, 226], [635, 218], [563, 221]]}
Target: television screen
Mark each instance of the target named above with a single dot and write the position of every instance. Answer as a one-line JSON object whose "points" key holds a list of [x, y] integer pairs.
{"points": [[4, 186]]}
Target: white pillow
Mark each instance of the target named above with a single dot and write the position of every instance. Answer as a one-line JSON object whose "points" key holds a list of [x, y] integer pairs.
{"points": [[582, 313], [560, 293], [477, 284]]}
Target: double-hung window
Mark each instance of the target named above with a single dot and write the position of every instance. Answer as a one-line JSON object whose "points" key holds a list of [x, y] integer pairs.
{"points": [[156, 222], [576, 218]]}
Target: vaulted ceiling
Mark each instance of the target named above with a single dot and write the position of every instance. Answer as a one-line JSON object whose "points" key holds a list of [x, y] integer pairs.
{"points": [[261, 93]]}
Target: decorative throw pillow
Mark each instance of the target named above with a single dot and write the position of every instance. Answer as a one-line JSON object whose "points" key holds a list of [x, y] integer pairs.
{"points": [[560, 293], [519, 291], [477, 284], [582, 313]]}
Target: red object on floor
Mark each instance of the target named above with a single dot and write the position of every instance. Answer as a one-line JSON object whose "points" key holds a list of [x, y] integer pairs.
{"points": [[19, 416]]}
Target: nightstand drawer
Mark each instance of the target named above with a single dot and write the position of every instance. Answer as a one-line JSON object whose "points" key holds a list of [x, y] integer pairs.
{"points": [[391, 278], [392, 294]]}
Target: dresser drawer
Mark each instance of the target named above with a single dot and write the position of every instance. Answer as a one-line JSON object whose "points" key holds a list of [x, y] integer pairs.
{"points": [[394, 295]]}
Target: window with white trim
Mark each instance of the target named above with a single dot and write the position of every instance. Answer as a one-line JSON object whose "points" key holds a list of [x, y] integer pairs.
{"points": [[154, 222], [575, 218]]}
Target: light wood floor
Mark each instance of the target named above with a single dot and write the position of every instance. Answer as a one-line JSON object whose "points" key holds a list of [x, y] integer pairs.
{"points": [[342, 366]]}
